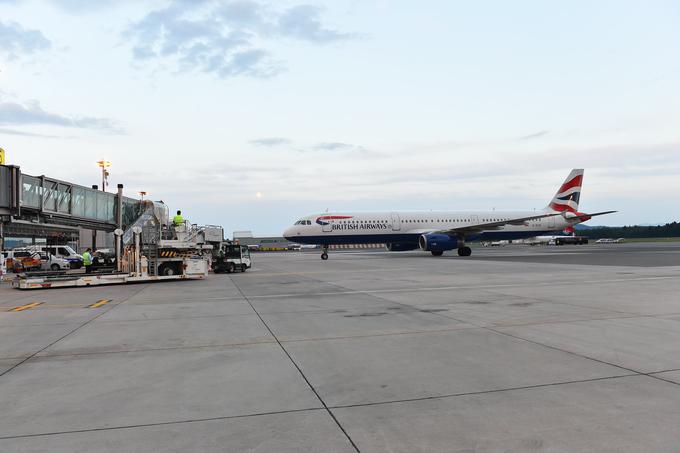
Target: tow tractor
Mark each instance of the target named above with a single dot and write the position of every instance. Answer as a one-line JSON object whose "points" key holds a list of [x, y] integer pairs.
{"points": [[150, 250], [231, 257]]}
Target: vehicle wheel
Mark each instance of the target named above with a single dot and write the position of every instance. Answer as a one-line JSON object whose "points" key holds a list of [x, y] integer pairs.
{"points": [[464, 251], [324, 256], [168, 270], [230, 268], [54, 267], [243, 267], [437, 252]]}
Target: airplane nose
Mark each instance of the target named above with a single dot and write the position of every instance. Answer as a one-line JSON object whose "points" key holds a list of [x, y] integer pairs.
{"points": [[288, 233]]}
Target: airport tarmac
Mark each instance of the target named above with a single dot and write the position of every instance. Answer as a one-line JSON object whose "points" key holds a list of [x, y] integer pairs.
{"points": [[515, 349]]}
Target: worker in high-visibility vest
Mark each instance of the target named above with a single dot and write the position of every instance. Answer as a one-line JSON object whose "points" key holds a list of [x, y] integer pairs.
{"points": [[87, 260], [178, 219]]}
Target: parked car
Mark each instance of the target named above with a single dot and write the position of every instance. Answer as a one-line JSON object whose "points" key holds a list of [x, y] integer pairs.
{"points": [[22, 260], [610, 241], [53, 262]]}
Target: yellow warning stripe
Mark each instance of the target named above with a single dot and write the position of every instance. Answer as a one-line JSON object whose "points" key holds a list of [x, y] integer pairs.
{"points": [[168, 254], [27, 306], [100, 303]]}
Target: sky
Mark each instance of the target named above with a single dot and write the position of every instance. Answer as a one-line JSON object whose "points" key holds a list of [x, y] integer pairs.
{"points": [[251, 114]]}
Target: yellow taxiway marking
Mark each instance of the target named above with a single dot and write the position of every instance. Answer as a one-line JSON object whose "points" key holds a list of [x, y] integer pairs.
{"points": [[27, 306], [100, 303]]}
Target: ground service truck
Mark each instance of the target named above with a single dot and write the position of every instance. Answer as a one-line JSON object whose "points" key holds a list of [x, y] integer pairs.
{"points": [[150, 250]]}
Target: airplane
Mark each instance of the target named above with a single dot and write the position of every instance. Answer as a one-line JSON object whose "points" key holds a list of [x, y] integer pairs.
{"points": [[440, 231]]}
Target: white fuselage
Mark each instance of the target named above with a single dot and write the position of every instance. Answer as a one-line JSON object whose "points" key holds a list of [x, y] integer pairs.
{"points": [[407, 227]]}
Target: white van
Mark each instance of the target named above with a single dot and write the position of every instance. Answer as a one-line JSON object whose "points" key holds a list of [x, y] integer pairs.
{"points": [[62, 251]]}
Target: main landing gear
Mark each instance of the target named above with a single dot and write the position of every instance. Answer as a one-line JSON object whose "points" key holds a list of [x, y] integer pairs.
{"points": [[324, 252], [463, 250]]}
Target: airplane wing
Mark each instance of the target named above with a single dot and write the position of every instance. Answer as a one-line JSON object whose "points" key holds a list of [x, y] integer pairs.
{"points": [[486, 226]]}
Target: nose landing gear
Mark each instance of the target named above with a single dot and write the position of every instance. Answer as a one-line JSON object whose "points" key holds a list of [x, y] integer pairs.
{"points": [[324, 252]]}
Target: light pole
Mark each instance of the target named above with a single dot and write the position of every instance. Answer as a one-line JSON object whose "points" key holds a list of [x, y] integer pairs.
{"points": [[141, 194], [104, 164]]}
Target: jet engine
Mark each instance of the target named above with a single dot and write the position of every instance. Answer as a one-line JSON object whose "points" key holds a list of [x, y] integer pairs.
{"points": [[437, 242]]}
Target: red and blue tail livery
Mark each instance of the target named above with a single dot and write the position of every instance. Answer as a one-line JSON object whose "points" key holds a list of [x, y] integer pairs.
{"points": [[567, 197], [440, 231]]}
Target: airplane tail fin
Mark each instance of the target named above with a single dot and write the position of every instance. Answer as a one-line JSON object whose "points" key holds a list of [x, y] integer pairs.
{"points": [[567, 197]]}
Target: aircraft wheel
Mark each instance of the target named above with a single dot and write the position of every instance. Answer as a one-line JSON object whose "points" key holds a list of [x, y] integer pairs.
{"points": [[464, 251], [324, 256], [437, 252]]}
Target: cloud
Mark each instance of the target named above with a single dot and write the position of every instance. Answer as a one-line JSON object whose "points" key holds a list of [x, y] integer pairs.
{"points": [[26, 134], [535, 135], [16, 41], [336, 146], [15, 113], [303, 22], [224, 37], [85, 6], [271, 141]]}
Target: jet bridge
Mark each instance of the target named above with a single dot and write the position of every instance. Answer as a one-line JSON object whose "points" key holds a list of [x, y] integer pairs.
{"points": [[147, 247], [49, 207]]}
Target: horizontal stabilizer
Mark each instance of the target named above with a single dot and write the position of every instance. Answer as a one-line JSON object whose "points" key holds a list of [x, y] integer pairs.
{"points": [[583, 216], [601, 213]]}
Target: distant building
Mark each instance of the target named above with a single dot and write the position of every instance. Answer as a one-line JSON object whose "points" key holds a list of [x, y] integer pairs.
{"points": [[242, 234], [264, 243]]}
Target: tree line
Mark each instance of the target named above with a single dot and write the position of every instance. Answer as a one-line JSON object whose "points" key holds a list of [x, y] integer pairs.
{"points": [[635, 231]]}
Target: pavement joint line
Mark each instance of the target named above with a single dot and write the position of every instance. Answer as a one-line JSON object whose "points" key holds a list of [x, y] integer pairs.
{"points": [[170, 348], [253, 343], [100, 303], [26, 307], [69, 333], [565, 351], [446, 288], [483, 392], [570, 321], [151, 425], [299, 369]]}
